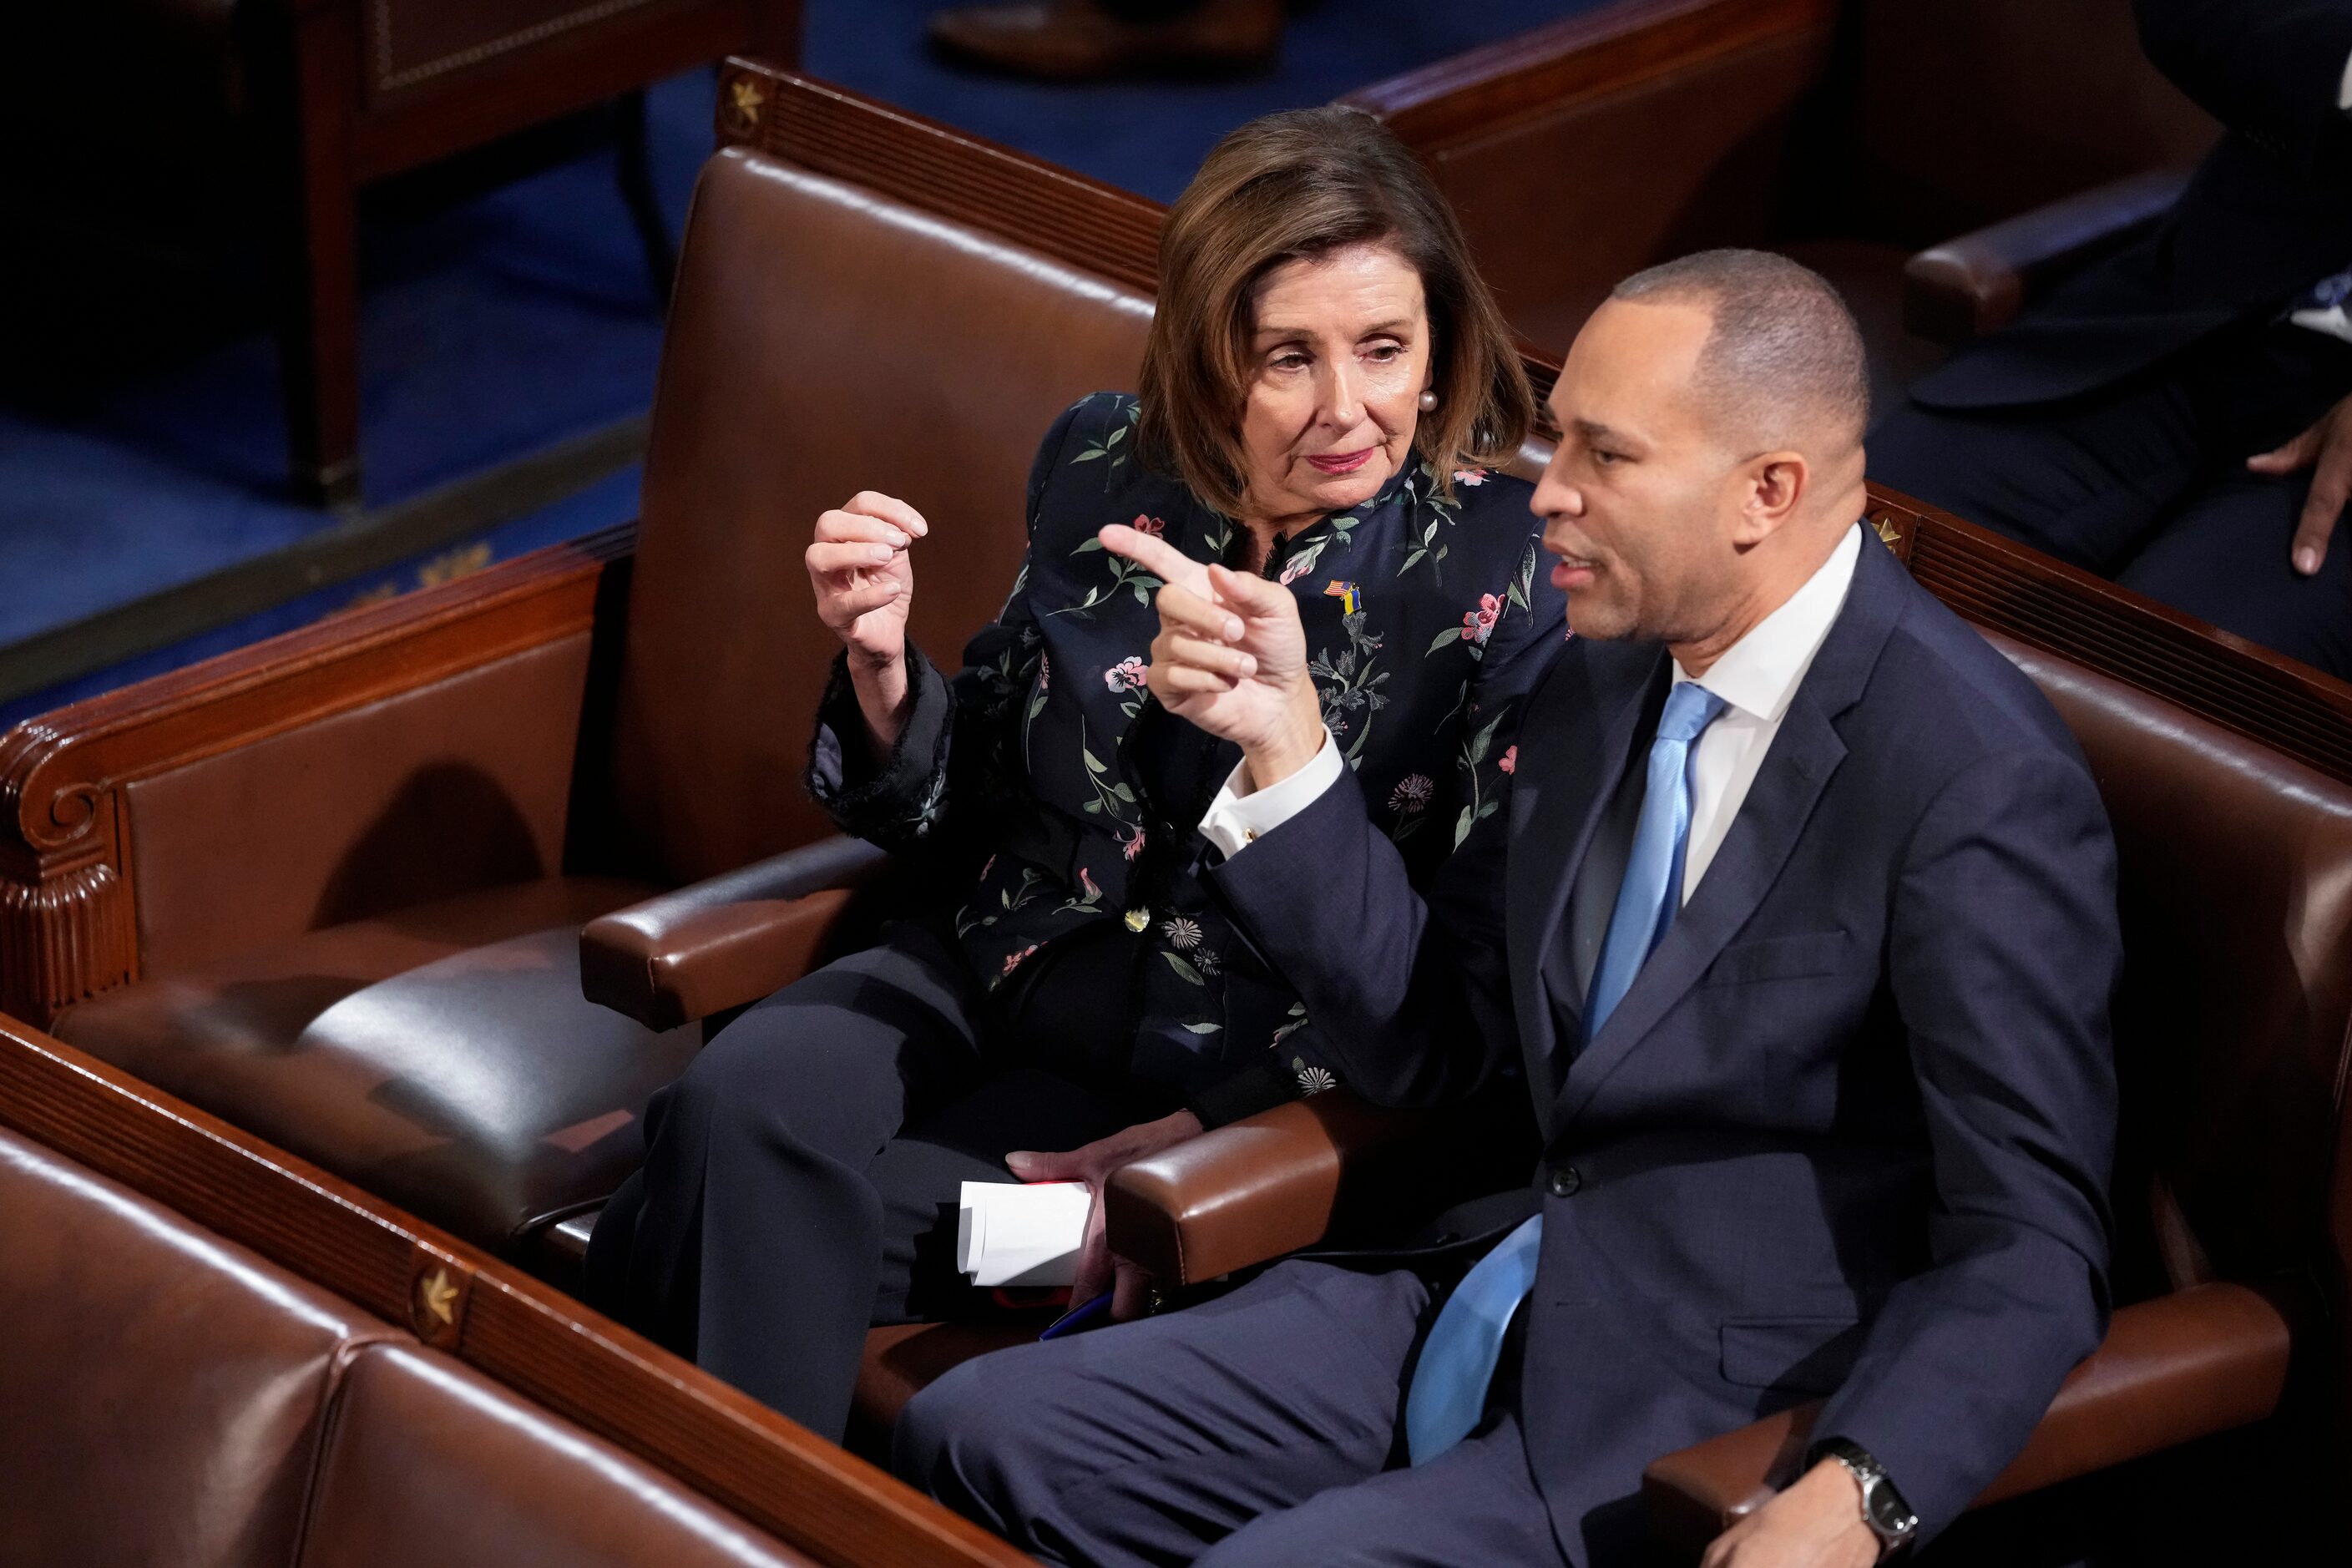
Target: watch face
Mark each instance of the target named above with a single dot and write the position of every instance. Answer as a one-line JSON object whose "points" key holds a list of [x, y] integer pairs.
{"points": [[1888, 1511]]}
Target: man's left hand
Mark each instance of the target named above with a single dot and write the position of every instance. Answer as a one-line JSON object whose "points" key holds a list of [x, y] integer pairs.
{"points": [[1100, 1268], [1815, 1524], [2326, 449]]}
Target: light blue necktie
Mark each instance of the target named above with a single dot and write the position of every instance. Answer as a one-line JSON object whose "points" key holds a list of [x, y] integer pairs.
{"points": [[1457, 1362], [1652, 893]]}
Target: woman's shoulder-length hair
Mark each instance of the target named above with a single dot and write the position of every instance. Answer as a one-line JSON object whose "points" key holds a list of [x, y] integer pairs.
{"points": [[1293, 186]]}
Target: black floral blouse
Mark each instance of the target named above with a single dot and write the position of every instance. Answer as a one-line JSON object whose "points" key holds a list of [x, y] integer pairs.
{"points": [[1057, 795]]}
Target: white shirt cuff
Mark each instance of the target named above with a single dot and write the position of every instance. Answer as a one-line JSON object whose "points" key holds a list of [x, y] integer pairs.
{"points": [[1234, 819]]}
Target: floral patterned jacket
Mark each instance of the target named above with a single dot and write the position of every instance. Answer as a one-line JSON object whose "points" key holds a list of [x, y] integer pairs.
{"points": [[1055, 794]]}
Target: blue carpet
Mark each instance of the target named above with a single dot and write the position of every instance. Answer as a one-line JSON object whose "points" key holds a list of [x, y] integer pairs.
{"points": [[1148, 137], [498, 326]]}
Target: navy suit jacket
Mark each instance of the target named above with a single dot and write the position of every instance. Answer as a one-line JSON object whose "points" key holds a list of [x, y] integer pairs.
{"points": [[2268, 214], [1848, 1134]]}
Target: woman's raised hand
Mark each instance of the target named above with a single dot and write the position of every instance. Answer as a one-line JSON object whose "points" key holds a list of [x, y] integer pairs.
{"points": [[865, 580], [1230, 656], [862, 576]]}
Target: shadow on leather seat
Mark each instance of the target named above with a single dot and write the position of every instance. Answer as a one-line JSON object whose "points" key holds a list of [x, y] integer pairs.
{"points": [[441, 1055]]}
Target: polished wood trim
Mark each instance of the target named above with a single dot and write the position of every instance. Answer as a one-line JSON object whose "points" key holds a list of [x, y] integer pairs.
{"points": [[2017, 591], [1481, 91], [778, 1476], [66, 892], [830, 129]]}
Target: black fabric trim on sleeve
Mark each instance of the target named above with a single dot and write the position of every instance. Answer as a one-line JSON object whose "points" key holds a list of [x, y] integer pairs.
{"points": [[842, 776]]}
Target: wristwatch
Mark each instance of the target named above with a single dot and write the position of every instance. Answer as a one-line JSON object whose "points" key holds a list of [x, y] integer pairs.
{"points": [[1882, 1509]]}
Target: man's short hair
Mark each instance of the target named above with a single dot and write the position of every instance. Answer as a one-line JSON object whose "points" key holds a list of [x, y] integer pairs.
{"points": [[1783, 349]]}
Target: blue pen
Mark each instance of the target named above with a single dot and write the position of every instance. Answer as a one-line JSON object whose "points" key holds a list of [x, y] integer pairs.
{"points": [[1077, 1317]]}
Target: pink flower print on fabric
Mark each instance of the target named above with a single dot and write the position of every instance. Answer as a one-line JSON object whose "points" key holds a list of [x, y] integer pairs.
{"points": [[1412, 794], [1509, 761], [1131, 848], [1296, 569], [1473, 478], [1153, 526], [1128, 675], [1478, 624], [1013, 963]]}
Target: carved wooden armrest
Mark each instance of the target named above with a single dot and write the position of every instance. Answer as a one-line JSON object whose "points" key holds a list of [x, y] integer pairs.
{"points": [[687, 955], [2184, 1366], [1248, 1192], [67, 926]]}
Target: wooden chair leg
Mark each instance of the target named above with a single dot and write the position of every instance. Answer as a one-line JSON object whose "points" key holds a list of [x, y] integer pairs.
{"points": [[635, 150], [311, 82]]}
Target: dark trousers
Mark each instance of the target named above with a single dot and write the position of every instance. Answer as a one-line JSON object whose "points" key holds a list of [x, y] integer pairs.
{"points": [[800, 1179], [1263, 1428], [2145, 482]]}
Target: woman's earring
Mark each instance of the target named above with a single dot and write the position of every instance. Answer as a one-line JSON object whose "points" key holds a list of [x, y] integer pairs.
{"points": [[1428, 400]]}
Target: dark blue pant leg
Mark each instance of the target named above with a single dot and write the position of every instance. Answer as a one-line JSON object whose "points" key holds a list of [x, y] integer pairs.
{"points": [[800, 1176], [2225, 560], [1476, 1503], [751, 1241], [2088, 482], [1151, 1442]]}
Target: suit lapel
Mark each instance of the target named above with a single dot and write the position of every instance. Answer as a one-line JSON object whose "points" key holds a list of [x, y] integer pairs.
{"points": [[1574, 744], [1764, 834]]}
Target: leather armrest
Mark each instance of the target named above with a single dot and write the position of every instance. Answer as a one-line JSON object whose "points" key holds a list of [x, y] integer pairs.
{"points": [[723, 942], [1247, 1192], [2186, 1365], [1970, 286]]}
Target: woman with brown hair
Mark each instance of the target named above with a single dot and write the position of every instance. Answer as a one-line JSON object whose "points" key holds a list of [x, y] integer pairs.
{"points": [[1325, 387]]}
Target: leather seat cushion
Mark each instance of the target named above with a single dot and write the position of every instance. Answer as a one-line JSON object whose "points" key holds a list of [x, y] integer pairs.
{"points": [[162, 1391], [441, 1056], [429, 1462]]}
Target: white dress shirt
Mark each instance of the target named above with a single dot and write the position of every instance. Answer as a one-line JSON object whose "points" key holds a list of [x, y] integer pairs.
{"points": [[1756, 677]]}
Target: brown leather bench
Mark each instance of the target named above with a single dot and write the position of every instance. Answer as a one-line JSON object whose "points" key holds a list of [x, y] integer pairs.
{"points": [[220, 1358], [668, 766], [1850, 135], [2175, 715]]}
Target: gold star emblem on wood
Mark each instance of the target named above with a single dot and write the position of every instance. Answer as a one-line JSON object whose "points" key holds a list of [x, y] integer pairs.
{"points": [[748, 98], [1886, 533], [436, 1298]]}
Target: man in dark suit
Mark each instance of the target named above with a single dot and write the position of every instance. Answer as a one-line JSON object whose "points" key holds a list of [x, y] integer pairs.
{"points": [[1799, 926], [2175, 417]]}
